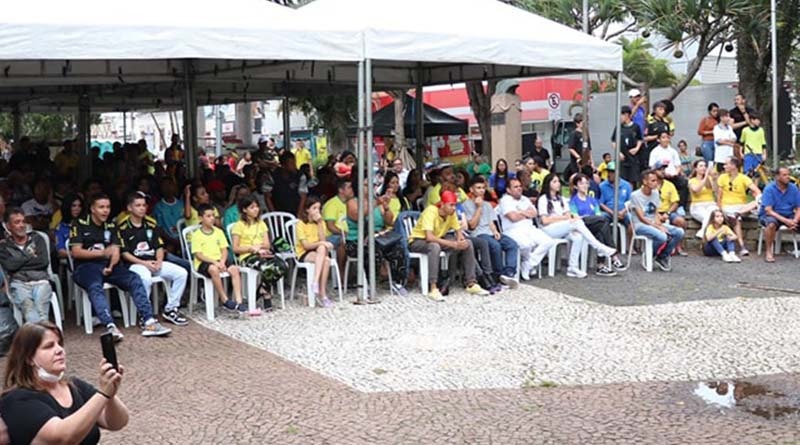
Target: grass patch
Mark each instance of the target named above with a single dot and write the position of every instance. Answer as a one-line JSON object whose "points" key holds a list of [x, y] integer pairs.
{"points": [[292, 430], [380, 371]]}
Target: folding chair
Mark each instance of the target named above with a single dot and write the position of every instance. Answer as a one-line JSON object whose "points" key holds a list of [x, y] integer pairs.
{"points": [[310, 268]]}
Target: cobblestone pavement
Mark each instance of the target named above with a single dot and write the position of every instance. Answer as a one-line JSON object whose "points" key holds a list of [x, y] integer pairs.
{"points": [[692, 278], [528, 336], [202, 387]]}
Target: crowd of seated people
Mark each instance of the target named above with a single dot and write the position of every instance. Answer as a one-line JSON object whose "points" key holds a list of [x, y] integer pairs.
{"points": [[493, 227]]}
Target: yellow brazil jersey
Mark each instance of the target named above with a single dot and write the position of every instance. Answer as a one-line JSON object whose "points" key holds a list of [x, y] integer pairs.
{"points": [[335, 210], [538, 178], [430, 220], [705, 195], [753, 141], [249, 235], [734, 192], [210, 245], [302, 156], [726, 232], [669, 196], [602, 170], [434, 196], [306, 231]]}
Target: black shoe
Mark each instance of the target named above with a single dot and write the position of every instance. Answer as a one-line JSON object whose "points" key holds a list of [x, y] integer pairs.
{"points": [[663, 263], [175, 317], [605, 271]]}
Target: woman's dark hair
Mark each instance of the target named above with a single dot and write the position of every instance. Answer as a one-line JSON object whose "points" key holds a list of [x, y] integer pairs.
{"points": [[66, 207], [576, 179], [244, 203], [497, 168], [712, 105], [387, 178], [310, 201], [546, 191], [20, 372], [694, 167]]}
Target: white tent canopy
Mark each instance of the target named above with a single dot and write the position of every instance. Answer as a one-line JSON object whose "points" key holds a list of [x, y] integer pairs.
{"points": [[446, 35]]}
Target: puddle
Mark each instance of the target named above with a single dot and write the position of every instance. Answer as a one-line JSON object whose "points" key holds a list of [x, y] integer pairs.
{"points": [[753, 398]]}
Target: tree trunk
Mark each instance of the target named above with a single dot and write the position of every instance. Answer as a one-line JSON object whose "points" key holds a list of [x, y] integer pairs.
{"points": [[480, 101], [399, 120], [753, 66]]}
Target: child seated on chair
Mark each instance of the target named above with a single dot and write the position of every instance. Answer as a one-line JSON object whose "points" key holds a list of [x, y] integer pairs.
{"points": [[311, 247], [720, 239], [210, 251]]}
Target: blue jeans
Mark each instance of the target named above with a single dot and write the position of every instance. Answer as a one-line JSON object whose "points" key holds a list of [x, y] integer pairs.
{"points": [[659, 237], [497, 248], [716, 248], [90, 277], [708, 151], [32, 300]]}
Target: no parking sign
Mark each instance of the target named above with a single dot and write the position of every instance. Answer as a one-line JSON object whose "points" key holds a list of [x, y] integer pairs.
{"points": [[554, 106]]}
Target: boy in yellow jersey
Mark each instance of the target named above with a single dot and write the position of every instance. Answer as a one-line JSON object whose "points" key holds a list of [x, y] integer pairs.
{"points": [[754, 143], [430, 236]]}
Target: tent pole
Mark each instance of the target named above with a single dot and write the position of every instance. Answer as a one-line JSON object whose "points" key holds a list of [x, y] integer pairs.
{"points": [[124, 127], [189, 119], [419, 137], [616, 156], [287, 128], [360, 166], [84, 145], [217, 131], [774, 44], [370, 178], [16, 115]]}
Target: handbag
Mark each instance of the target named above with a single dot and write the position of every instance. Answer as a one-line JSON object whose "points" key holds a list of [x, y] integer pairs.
{"points": [[388, 240]]}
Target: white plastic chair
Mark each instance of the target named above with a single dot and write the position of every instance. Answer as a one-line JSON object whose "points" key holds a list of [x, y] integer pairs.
{"points": [[54, 278], [156, 281], [647, 255], [84, 306], [778, 242], [252, 277], [208, 285], [276, 224], [310, 268], [409, 222]]}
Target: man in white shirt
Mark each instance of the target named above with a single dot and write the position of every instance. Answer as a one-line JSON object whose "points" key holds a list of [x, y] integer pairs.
{"points": [[402, 172], [39, 210], [664, 155], [517, 213], [724, 138]]}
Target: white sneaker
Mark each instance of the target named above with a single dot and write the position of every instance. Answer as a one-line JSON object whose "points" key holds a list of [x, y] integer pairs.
{"points": [[524, 274], [511, 282], [734, 258], [576, 273], [726, 257]]}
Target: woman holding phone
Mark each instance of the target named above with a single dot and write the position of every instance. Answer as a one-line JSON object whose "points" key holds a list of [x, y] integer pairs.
{"points": [[40, 405]]}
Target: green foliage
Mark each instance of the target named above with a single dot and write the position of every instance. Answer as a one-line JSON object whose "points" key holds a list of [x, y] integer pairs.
{"points": [[640, 65], [39, 126], [333, 113], [602, 14]]}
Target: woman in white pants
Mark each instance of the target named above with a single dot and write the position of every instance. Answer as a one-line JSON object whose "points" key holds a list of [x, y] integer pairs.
{"points": [[558, 222], [702, 187]]}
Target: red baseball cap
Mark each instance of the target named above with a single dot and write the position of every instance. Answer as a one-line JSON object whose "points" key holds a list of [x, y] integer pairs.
{"points": [[448, 197]]}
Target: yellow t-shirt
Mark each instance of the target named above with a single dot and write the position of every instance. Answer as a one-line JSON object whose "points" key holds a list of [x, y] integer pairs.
{"points": [[249, 235], [306, 231], [602, 170], [705, 195], [669, 196], [335, 210], [394, 206], [753, 141], [208, 244], [538, 178], [721, 237], [434, 196], [734, 192], [430, 220], [301, 156]]}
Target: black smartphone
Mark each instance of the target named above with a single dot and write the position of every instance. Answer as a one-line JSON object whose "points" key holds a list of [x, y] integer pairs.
{"points": [[109, 350]]}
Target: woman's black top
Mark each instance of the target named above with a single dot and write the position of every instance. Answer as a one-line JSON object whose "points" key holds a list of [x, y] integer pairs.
{"points": [[26, 411]]}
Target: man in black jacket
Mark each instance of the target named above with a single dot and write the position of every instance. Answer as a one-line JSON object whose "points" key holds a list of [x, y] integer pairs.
{"points": [[25, 259]]}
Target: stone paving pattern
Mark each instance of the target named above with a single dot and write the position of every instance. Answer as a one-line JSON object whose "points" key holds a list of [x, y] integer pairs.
{"points": [[201, 387]]}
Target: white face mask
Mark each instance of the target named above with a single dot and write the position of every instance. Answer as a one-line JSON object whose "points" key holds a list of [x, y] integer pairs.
{"points": [[46, 376]]}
